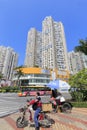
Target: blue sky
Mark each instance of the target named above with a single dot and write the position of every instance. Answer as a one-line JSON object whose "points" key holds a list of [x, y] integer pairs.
{"points": [[18, 16]]}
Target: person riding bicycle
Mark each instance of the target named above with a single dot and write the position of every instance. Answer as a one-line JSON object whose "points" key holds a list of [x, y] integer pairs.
{"points": [[37, 106], [60, 99], [53, 101], [56, 99]]}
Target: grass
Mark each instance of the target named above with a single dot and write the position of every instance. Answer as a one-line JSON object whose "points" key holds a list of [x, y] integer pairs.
{"points": [[79, 104]]}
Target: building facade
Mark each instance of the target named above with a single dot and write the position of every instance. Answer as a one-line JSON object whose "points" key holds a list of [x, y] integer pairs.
{"points": [[47, 49], [34, 77], [33, 49], [8, 61], [54, 50], [77, 61]]}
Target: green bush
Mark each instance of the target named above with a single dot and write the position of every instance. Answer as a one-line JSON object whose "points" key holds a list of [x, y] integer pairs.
{"points": [[79, 95], [9, 89], [3, 91], [0, 90]]}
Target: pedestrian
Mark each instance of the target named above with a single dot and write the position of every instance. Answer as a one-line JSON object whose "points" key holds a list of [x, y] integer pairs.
{"points": [[37, 106]]}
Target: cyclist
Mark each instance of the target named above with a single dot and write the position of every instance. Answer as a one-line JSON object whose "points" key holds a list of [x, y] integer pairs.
{"points": [[53, 100], [60, 99], [56, 99], [37, 106]]}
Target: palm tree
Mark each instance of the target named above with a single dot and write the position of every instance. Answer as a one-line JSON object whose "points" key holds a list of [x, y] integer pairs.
{"points": [[36, 66], [1, 75], [19, 73], [82, 47]]}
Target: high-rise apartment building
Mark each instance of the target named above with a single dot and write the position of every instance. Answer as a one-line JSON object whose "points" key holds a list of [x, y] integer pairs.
{"points": [[8, 61], [47, 49], [77, 61], [33, 49], [54, 51]]}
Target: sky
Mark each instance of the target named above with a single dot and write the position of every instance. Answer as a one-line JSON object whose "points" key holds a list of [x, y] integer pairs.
{"points": [[18, 16]]}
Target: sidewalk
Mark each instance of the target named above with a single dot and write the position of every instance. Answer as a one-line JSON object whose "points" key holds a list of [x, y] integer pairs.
{"points": [[77, 120]]}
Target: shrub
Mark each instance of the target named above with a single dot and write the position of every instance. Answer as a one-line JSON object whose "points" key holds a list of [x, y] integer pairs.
{"points": [[9, 89], [79, 95], [3, 90], [0, 90]]}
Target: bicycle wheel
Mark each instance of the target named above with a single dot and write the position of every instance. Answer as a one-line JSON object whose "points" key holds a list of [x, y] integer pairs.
{"points": [[45, 123], [66, 108], [52, 121], [20, 123]]}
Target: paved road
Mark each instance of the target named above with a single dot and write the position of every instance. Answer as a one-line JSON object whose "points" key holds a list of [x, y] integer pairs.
{"points": [[77, 120], [10, 103]]}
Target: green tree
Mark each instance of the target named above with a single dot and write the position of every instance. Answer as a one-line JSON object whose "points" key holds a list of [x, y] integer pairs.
{"points": [[82, 47], [78, 83], [79, 80]]}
